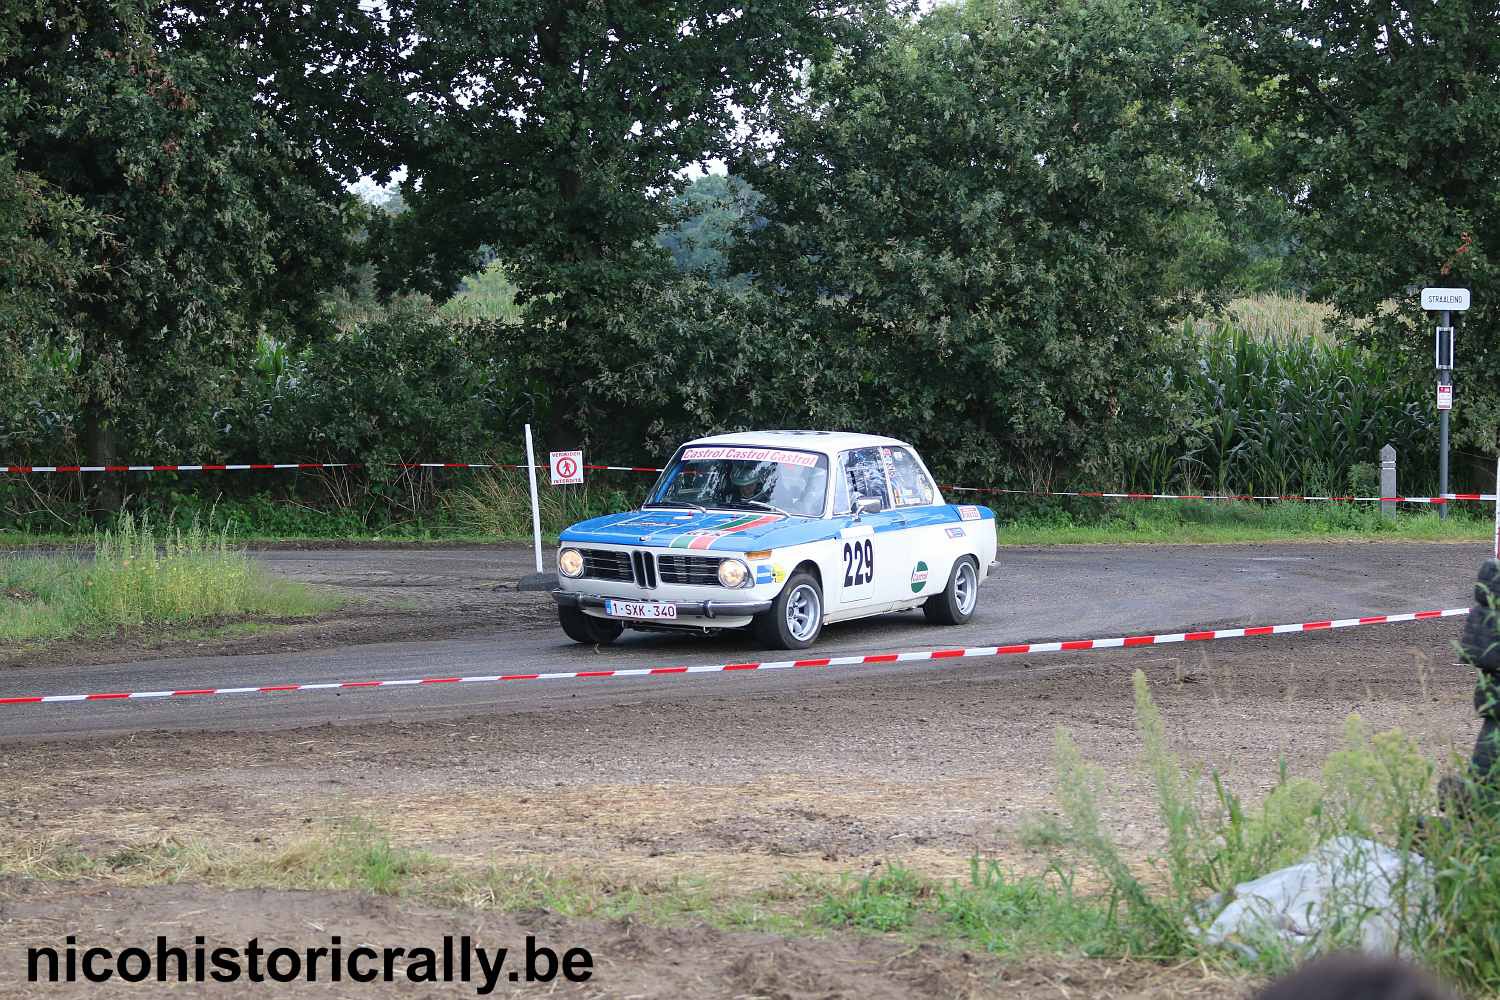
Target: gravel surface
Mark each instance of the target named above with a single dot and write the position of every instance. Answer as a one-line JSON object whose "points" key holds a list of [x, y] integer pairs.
{"points": [[454, 612]]}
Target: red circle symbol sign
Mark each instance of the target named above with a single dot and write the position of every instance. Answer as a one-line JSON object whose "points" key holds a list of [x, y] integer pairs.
{"points": [[567, 467]]}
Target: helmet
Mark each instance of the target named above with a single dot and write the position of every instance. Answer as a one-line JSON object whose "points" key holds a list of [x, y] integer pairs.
{"points": [[750, 474]]}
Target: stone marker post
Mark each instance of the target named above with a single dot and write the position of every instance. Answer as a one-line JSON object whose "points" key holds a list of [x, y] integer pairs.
{"points": [[1388, 479]]}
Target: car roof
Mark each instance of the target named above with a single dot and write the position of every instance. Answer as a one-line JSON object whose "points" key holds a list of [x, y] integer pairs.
{"points": [[827, 442]]}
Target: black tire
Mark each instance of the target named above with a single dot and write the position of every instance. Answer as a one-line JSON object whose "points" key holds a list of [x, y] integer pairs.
{"points": [[777, 627], [956, 604], [587, 629]]}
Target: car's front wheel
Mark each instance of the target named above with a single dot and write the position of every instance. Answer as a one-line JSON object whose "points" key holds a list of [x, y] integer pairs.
{"points": [[587, 629], [955, 605], [796, 618]]}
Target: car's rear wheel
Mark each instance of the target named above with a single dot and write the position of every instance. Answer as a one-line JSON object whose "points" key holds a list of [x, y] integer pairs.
{"points": [[587, 629], [956, 604], [796, 618]]}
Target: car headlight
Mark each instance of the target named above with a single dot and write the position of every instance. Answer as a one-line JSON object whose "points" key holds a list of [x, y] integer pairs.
{"points": [[570, 563], [733, 573]]}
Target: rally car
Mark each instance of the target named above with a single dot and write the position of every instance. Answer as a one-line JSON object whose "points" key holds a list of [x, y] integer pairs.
{"points": [[780, 531]]}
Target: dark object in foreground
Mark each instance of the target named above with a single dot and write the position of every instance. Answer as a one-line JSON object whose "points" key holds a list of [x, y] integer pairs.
{"points": [[1353, 976], [1480, 646]]}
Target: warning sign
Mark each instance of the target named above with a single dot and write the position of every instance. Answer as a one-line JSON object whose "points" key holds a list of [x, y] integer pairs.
{"points": [[567, 468], [1445, 397]]}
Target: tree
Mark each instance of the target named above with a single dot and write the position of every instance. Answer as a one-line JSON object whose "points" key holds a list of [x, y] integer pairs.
{"points": [[969, 226], [227, 214], [43, 231], [1387, 139], [555, 133], [709, 213]]}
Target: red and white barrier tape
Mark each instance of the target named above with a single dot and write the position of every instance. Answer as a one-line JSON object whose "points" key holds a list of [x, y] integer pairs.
{"points": [[266, 467], [995, 490], [253, 467], [1444, 498], [1017, 649]]}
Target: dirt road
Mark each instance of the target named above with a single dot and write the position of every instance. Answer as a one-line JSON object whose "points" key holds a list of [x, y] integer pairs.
{"points": [[455, 612]]}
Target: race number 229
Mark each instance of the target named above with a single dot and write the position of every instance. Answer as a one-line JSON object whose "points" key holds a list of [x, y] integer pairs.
{"points": [[859, 563]]}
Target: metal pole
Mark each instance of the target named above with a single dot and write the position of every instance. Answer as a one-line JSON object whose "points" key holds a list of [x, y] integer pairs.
{"points": [[1444, 378], [1497, 508], [536, 515]]}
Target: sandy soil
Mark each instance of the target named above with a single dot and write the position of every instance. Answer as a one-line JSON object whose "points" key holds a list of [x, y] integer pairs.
{"points": [[838, 779]]}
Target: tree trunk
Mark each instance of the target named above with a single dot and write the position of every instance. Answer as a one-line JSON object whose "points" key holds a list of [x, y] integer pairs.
{"points": [[102, 490]]}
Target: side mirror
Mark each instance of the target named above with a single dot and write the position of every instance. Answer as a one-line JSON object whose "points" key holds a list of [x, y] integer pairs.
{"points": [[866, 505]]}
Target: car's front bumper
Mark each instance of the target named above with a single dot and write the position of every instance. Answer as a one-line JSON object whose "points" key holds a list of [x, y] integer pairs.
{"points": [[688, 612]]}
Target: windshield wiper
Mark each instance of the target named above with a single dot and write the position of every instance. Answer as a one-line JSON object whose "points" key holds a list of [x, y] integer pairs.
{"points": [[745, 501], [674, 505]]}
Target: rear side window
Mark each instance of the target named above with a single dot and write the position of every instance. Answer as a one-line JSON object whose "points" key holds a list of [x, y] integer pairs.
{"points": [[909, 483]]}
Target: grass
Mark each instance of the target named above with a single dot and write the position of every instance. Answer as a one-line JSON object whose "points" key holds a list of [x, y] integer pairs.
{"points": [[355, 854], [139, 576], [1161, 522], [498, 504]]}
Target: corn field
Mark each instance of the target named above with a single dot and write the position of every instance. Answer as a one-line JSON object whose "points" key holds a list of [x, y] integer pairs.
{"points": [[1284, 415]]}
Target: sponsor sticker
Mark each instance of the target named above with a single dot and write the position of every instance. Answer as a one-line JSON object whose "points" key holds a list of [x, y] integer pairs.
{"points": [[955, 532], [919, 578], [802, 458], [968, 512], [764, 574]]}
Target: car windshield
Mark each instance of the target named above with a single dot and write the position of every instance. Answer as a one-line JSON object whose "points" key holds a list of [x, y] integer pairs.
{"points": [[746, 478]]}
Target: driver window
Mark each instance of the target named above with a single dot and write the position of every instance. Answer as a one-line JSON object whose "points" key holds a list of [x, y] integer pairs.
{"points": [[861, 474], [910, 484]]}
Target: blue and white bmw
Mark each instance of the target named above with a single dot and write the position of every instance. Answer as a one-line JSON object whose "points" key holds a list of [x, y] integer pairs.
{"points": [[781, 531]]}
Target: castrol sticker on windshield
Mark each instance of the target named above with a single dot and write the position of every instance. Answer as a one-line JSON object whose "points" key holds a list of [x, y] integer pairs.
{"points": [[750, 455]]}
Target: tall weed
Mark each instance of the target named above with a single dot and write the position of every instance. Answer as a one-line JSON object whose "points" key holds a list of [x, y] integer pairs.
{"points": [[1375, 787], [498, 503], [140, 575]]}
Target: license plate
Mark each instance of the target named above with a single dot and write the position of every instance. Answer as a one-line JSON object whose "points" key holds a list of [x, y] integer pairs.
{"points": [[648, 610]]}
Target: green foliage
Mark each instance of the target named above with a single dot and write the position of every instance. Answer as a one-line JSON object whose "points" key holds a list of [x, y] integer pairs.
{"points": [[708, 215], [1287, 415], [1382, 134], [404, 388], [488, 296], [560, 154], [967, 222], [225, 213], [887, 901], [1465, 943], [1001, 913], [137, 577]]}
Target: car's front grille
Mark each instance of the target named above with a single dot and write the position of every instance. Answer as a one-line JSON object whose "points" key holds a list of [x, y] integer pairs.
{"points": [[700, 570], [604, 564], [634, 566], [645, 569]]}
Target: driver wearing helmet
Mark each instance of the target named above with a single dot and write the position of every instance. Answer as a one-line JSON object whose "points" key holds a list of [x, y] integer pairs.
{"points": [[752, 480]]}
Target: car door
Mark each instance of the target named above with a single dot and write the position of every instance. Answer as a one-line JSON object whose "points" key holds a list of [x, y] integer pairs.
{"points": [[869, 548], [929, 540]]}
